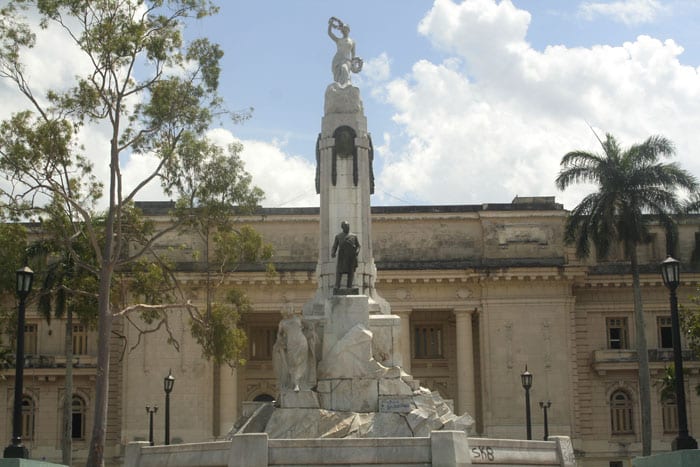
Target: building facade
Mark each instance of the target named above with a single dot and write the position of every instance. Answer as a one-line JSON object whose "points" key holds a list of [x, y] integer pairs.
{"points": [[483, 291]]}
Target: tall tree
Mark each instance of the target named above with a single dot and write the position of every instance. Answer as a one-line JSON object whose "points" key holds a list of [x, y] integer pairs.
{"points": [[205, 209], [147, 86], [13, 244], [633, 188]]}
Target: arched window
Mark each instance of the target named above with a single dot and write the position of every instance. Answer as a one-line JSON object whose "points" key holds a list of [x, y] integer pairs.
{"points": [[621, 413], [27, 418], [78, 418], [263, 398], [669, 413]]}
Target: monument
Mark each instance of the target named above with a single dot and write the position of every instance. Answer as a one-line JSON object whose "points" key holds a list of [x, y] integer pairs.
{"points": [[339, 364], [343, 396]]}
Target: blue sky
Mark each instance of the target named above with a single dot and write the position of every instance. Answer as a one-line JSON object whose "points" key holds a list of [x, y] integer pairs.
{"points": [[278, 61], [468, 102], [277, 54]]}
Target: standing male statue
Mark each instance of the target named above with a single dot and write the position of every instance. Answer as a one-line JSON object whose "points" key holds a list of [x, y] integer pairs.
{"points": [[347, 247]]}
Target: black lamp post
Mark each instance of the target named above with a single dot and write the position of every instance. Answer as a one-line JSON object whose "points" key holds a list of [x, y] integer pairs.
{"points": [[545, 406], [671, 274], [25, 276], [151, 410], [168, 383], [526, 378]]}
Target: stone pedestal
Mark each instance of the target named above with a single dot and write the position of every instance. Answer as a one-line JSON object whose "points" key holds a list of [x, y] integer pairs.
{"points": [[386, 339], [345, 181], [345, 312], [305, 399]]}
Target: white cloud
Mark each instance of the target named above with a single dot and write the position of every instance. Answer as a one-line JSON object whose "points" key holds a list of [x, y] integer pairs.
{"points": [[498, 125], [377, 69], [288, 181], [630, 12]]}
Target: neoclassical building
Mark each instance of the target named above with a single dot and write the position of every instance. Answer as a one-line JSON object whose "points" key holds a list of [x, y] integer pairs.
{"points": [[483, 291]]}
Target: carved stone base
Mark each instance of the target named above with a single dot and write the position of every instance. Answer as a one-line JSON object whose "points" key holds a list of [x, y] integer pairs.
{"points": [[346, 291], [305, 399]]}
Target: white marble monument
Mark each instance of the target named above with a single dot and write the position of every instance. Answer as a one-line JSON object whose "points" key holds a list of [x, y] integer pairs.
{"points": [[356, 387], [338, 365]]}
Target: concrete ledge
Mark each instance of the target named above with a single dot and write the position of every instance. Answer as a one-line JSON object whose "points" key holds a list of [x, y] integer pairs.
{"points": [[449, 448], [249, 450], [443, 448], [215, 454], [350, 451], [686, 458], [26, 463]]}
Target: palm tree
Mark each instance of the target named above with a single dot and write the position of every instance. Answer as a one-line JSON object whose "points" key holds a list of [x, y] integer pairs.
{"points": [[59, 297], [634, 187]]}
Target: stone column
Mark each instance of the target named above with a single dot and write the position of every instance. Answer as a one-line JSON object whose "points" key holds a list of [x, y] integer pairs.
{"points": [[405, 342], [466, 394]]}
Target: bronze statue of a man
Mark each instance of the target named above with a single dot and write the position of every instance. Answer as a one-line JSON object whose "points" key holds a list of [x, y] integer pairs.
{"points": [[347, 247]]}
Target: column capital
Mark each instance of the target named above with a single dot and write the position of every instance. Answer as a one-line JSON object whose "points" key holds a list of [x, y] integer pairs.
{"points": [[463, 312]]}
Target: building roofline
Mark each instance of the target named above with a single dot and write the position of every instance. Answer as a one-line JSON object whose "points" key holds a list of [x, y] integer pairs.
{"points": [[161, 208]]}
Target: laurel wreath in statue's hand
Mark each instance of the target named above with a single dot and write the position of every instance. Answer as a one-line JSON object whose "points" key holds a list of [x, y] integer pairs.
{"points": [[335, 22], [356, 65]]}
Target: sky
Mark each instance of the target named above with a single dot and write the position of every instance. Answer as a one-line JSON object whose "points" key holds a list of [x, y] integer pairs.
{"points": [[467, 102]]}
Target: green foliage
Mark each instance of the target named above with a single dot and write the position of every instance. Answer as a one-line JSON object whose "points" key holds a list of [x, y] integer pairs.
{"points": [[632, 187], [244, 245], [156, 93], [631, 184], [13, 253], [6, 360], [219, 335], [667, 384], [690, 324]]}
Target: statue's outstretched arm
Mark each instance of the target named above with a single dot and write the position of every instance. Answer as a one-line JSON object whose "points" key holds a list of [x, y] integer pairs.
{"points": [[331, 23]]}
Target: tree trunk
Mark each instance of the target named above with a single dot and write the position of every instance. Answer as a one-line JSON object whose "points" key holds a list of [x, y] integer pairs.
{"points": [[643, 355], [104, 322], [67, 435], [99, 427], [104, 327]]}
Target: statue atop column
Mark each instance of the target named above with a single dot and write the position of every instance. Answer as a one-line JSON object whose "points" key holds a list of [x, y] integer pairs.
{"points": [[348, 247], [344, 60]]}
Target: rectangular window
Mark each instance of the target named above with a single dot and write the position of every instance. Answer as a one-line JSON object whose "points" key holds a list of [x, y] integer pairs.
{"points": [[80, 340], [615, 464], [77, 426], [427, 341], [617, 333], [260, 342], [663, 324], [27, 418], [654, 248], [30, 339]]}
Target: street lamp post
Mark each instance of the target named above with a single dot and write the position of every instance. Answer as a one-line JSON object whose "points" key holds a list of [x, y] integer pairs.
{"points": [[25, 276], [670, 272], [545, 406], [151, 410], [168, 383], [526, 378]]}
